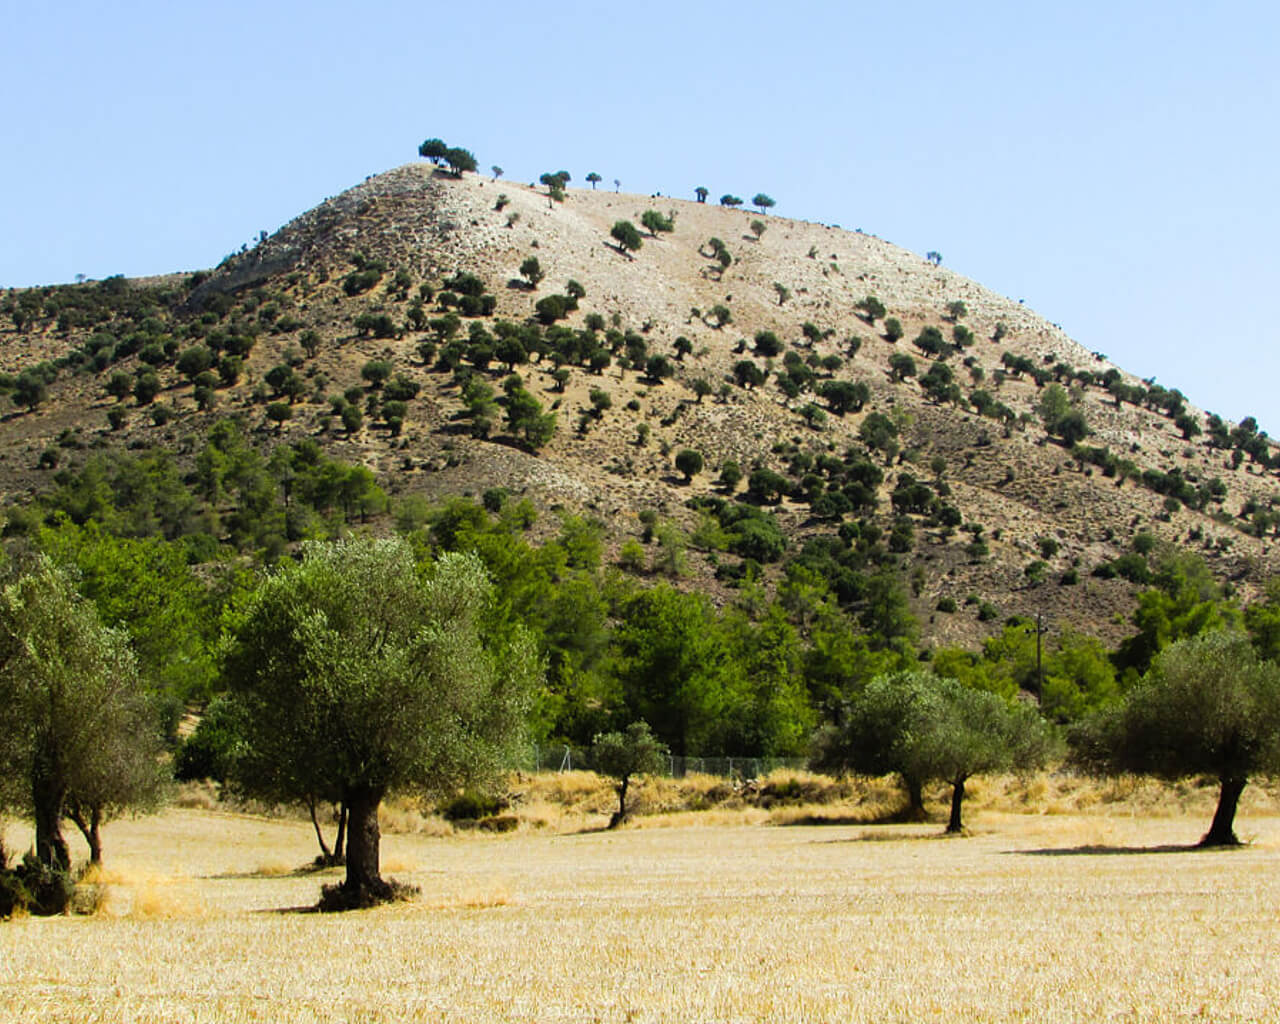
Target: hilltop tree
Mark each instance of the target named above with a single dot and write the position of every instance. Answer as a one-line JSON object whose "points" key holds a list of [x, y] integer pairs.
{"points": [[556, 180], [762, 202], [459, 160], [622, 755], [1207, 706], [730, 200], [594, 178], [701, 193], [75, 725], [433, 150], [627, 237], [360, 677], [497, 172]]}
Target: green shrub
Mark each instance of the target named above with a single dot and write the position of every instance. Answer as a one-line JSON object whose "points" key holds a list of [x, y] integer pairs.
{"points": [[33, 888], [471, 805]]}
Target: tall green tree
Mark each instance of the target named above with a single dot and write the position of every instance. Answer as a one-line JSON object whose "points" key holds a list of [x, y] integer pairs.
{"points": [[146, 586], [669, 659], [1207, 706], [357, 675], [74, 722]]}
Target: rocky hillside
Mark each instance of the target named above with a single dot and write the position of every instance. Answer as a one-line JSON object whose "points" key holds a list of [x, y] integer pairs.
{"points": [[965, 467]]}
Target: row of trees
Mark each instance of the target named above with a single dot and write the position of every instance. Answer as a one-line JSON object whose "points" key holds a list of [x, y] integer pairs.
{"points": [[362, 669]]}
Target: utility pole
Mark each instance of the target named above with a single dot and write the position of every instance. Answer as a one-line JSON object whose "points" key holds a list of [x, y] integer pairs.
{"points": [[1039, 663]]}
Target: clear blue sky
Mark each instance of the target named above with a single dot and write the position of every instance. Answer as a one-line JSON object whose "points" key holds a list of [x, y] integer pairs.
{"points": [[1113, 164]]}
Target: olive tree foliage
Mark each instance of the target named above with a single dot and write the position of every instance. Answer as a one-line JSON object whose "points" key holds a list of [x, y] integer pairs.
{"points": [[78, 737], [627, 237], [356, 676], [929, 728], [1206, 706], [433, 150], [622, 755]]}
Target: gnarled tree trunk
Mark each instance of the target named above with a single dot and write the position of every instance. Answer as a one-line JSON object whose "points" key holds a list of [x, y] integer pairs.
{"points": [[915, 799], [957, 798], [48, 792], [620, 814], [364, 885], [1222, 831], [326, 855], [340, 843], [89, 821]]}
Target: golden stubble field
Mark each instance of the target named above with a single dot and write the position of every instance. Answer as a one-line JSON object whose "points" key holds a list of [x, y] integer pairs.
{"points": [[1087, 916]]}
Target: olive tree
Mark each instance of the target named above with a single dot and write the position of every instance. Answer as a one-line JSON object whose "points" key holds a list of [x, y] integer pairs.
{"points": [[627, 237], [927, 727], [689, 462], [1206, 706], [531, 270], [77, 728], [621, 755], [459, 160], [360, 677]]}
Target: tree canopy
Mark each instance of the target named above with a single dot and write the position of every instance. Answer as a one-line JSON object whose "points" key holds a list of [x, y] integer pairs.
{"points": [[75, 725], [1207, 706], [621, 755], [926, 727], [357, 677]]}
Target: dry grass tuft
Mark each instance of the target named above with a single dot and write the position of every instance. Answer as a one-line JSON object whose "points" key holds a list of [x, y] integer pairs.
{"points": [[159, 898], [201, 796], [274, 867]]}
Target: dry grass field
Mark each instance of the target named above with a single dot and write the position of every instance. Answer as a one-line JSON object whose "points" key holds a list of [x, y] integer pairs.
{"points": [[1067, 902]]}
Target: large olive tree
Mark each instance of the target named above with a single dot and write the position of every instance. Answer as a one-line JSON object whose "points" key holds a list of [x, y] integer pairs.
{"points": [[356, 676], [1206, 706]]}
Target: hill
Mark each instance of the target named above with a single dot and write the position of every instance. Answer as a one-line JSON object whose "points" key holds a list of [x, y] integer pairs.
{"points": [[954, 456]]}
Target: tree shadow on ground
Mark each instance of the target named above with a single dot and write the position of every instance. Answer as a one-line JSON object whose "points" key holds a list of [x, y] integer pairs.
{"points": [[309, 908], [310, 868], [895, 836], [1100, 850]]}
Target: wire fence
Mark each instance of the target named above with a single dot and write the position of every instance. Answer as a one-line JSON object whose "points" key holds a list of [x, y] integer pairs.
{"points": [[565, 759]]}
